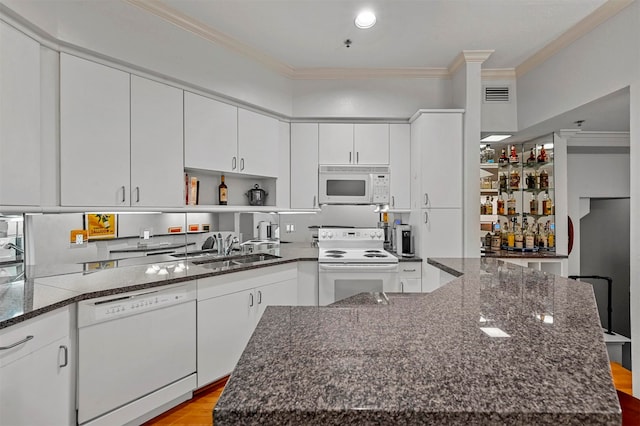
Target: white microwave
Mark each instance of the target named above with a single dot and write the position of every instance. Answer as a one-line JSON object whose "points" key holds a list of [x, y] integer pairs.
{"points": [[354, 184]]}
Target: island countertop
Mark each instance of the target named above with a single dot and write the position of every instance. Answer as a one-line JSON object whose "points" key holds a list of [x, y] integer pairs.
{"points": [[500, 344]]}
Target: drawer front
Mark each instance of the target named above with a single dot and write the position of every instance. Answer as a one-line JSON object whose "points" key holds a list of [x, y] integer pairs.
{"points": [[245, 280], [410, 270], [43, 330]]}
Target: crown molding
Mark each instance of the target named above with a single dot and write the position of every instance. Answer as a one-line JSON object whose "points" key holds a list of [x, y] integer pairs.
{"points": [[469, 56], [597, 17], [499, 74], [187, 23], [361, 73]]}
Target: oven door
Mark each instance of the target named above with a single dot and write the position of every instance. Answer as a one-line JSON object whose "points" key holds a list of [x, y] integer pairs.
{"points": [[338, 281], [344, 188]]}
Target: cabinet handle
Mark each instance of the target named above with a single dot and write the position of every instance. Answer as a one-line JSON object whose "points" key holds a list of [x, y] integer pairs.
{"points": [[426, 217], [349, 156], [314, 201], [401, 286], [426, 198], [251, 303], [408, 270], [234, 163], [66, 356], [393, 201], [242, 164], [357, 157], [26, 339], [259, 297], [137, 194], [124, 195]]}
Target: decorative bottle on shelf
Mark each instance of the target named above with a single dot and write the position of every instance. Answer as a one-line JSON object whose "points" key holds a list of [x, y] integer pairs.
{"points": [[513, 156], [503, 181], [514, 179], [531, 181], [532, 156], [511, 204], [541, 237], [533, 205], [488, 206], [544, 179], [501, 204], [519, 237], [529, 236], [511, 236], [222, 192], [490, 154], [503, 156], [551, 237], [546, 204], [542, 157], [504, 235]]}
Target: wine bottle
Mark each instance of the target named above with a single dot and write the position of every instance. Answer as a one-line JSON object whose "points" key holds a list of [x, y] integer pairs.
{"points": [[222, 192]]}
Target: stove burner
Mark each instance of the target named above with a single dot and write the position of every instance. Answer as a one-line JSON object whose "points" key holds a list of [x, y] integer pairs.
{"points": [[335, 256], [335, 252], [372, 251], [375, 255]]}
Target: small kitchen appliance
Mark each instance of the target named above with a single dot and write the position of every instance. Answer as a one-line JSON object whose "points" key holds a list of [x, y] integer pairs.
{"points": [[352, 261], [354, 184], [257, 196], [404, 241]]}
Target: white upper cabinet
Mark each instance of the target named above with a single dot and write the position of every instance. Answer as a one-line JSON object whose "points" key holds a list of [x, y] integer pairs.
{"points": [[335, 143], [400, 164], [19, 118], [371, 143], [304, 165], [346, 143], [210, 134], [283, 183], [436, 153], [258, 144], [94, 134], [156, 144]]}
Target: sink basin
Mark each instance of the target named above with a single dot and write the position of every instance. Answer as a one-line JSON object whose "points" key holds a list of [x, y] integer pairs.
{"points": [[234, 260], [214, 264]]}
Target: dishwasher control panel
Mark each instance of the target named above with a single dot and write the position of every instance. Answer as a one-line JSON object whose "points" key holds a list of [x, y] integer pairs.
{"points": [[105, 308]]}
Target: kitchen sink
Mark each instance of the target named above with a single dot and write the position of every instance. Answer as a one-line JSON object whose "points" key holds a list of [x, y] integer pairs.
{"points": [[251, 258], [234, 260]]}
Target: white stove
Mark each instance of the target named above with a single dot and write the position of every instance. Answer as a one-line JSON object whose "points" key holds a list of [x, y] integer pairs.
{"points": [[352, 261], [353, 245]]}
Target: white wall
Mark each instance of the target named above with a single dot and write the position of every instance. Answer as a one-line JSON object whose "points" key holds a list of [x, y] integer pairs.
{"points": [[634, 254], [381, 98], [498, 116], [601, 62]]}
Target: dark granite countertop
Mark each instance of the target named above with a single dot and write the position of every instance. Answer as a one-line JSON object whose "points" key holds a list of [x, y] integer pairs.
{"points": [[430, 358], [60, 285]]}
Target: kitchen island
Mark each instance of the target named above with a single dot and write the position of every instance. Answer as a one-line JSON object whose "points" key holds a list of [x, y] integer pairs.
{"points": [[500, 344]]}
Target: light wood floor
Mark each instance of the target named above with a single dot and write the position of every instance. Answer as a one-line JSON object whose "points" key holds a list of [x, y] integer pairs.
{"points": [[198, 410]]}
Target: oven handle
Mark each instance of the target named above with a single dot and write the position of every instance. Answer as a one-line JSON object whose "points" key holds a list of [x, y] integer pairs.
{"points": [[357, 267]]}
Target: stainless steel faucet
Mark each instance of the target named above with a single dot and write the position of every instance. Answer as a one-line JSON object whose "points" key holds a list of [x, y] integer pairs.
{"points": [[18, 250], [220, 244], [229, 242]]}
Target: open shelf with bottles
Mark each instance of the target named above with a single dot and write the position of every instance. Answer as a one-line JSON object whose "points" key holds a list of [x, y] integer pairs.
{"points": [[524, 200]]}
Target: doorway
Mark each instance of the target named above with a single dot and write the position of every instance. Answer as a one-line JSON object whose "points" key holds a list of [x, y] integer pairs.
{"points": [[604, 251]]}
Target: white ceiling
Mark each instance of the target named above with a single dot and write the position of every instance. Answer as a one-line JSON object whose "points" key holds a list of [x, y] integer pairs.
{"points": [[408, 34]]}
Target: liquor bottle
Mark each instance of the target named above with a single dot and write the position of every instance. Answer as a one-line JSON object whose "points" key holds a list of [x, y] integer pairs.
{"points": [[501, 204], [490, 154], [511, 204], [222, 192], [546, 204], [531, 181], [529, 236], [551, 237], [514, 179], [533, 205], [511, 236], [519, 237], [503, 182], [488, 206], [504, 236]]}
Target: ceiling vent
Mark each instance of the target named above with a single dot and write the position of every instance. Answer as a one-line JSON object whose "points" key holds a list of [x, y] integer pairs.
{"points": [[493, 94]]}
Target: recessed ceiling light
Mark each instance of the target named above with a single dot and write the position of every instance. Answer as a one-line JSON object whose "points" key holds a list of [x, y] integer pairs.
{"points": [[365, 19], [495, 138]]}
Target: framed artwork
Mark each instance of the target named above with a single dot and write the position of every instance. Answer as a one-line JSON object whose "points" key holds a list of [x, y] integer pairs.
{"points": [[101, 226]]}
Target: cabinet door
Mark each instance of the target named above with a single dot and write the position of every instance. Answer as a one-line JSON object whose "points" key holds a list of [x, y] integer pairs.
{"points": [[258, 147], [94, 134], [284, 293], [37, 388], [371, 143], [210, 134], [19, 118], [283, 183], [440, 159], [225, 324], [440, 233], [156, 144], [400, 164], [336, 143], [304, 165]]}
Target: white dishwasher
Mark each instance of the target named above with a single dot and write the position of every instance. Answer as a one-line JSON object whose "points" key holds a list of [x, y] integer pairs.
{"points": [[136, 353]]}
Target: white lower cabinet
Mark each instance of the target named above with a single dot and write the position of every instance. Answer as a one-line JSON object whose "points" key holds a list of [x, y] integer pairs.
{"points": [[37, 376], [410, 277], [229, 308], [307, 283]]}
